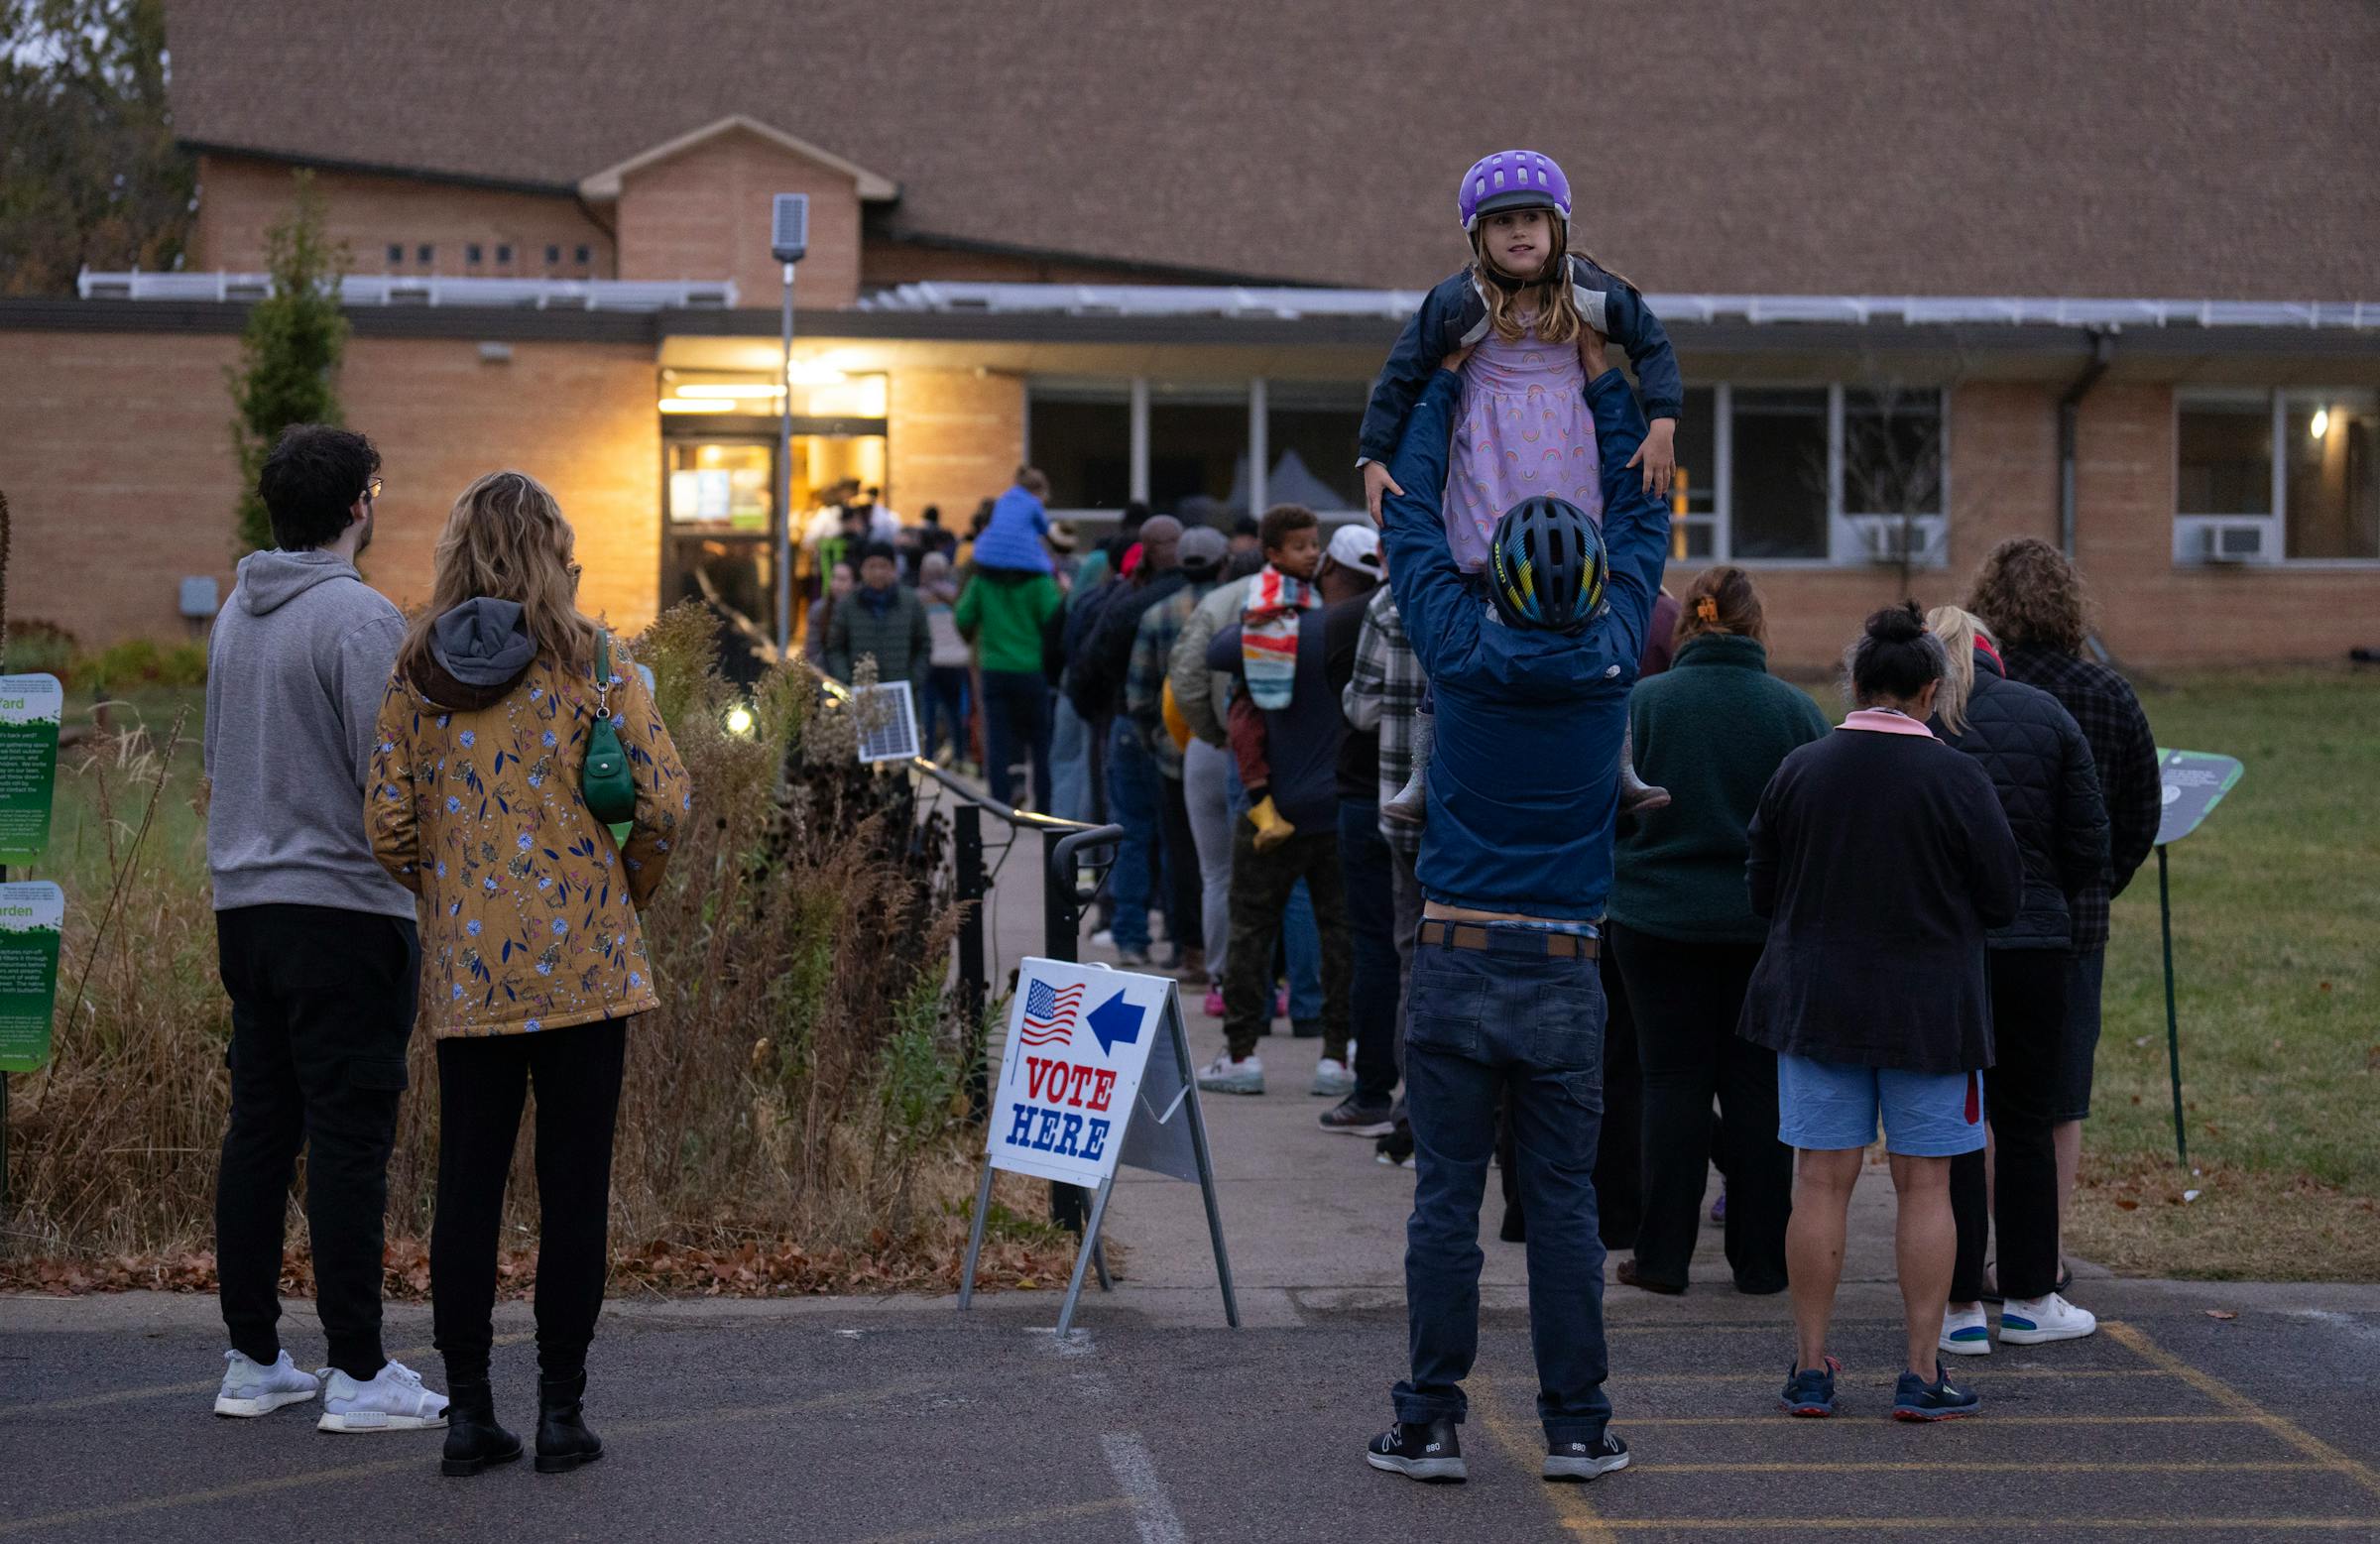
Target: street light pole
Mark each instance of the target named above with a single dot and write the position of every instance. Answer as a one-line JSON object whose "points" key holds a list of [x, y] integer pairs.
{"points": [[784, 482], [788, 241]]}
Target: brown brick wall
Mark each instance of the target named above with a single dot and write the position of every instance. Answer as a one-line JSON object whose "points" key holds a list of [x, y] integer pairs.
{"points": [[240, 198], [953, 438], [704, 214], [120, 478]]}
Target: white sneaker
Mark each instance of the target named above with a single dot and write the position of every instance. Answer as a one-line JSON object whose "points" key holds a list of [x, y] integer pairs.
{"points": [[1104, 938], [1332, 1079], [251, 1389], [2043, 1319], [393, 1400], [1966, 1332], [1226, 1076]]}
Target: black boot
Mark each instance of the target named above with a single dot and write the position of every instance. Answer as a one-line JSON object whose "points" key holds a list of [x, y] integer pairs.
{"points": [[473, 1439], [563, 1440]]}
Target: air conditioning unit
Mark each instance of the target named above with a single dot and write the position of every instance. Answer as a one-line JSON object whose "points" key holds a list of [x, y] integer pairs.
{"points": [[2231, 541]]}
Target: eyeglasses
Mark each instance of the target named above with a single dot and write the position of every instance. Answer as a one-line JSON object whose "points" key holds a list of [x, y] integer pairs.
{"points": [[372, 491]]}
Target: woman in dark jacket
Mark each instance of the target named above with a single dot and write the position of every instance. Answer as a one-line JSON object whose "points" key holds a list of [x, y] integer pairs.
{"points": [[1713, 730], [2041, 769], [1880, 857]]}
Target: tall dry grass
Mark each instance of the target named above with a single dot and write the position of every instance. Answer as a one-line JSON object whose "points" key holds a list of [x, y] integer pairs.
{"points": [[799, 1090]]}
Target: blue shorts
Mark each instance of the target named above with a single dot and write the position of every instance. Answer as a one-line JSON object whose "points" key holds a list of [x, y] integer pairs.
{"points": [[1828, 1106]]}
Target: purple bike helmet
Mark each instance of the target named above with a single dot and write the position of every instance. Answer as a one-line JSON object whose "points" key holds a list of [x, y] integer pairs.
{"points": [[1512, 180]]}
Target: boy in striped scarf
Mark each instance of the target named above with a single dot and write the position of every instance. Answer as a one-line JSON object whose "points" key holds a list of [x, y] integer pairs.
{"points": [[1291, 536]]}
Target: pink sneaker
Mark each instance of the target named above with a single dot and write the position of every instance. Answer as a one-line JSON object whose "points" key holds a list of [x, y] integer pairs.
{"points": [[1214, 1002], [1280, 1002]]}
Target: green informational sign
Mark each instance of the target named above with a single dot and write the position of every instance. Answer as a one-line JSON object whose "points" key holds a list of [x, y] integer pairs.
{"points": [[30, 707], [31, 919], [2195, 782]]}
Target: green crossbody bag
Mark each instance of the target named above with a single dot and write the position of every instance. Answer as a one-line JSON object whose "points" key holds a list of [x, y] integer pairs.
{"points": [[610, 789]]}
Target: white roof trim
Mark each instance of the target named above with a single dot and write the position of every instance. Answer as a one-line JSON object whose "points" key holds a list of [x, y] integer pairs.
{"points": [[604, 186], [1862, 309]]}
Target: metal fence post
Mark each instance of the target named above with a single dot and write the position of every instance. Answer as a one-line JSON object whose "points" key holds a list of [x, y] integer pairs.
{"points": [[967, 859]]}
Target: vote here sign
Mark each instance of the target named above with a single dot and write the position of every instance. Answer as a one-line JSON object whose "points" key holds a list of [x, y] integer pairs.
{"points": [[1078, 1043]]}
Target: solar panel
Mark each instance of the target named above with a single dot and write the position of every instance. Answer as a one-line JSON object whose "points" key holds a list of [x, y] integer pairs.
{"points": [[887, 723], [790, 227]]}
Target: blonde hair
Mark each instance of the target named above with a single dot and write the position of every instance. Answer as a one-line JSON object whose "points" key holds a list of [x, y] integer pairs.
{"points": [[1958, 630], [506, 539]]}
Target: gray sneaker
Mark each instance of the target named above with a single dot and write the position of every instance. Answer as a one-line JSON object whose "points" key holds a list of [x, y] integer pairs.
{"points": [[1332, 1079], [251, 1389], [1226, 1076], [393, 1400], [1585, 1460]]}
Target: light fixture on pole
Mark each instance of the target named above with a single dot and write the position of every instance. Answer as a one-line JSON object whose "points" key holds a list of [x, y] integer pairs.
{"points": [[788, 240]]}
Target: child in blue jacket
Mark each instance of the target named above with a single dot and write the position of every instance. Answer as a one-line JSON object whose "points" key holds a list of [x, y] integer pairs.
{"points": [[1522, 428]]}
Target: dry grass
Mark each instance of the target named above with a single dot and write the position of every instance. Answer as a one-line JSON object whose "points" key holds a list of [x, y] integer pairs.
{"points": [[793, 1118]]}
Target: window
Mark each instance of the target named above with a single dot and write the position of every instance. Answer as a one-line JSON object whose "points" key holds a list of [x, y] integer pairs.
{"points": [[425, 254], [395, 253], [1694, 496], [2268, 476], [471, 253], [504, 253], [1310, 445], [1198, 452], [1082, 439], [1777, 487], [586, 255], [553, 257]]}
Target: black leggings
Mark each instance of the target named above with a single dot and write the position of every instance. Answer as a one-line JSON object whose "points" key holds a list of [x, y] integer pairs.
{"points": [[2022, 1098], [1688, 997], [482, 1081]]}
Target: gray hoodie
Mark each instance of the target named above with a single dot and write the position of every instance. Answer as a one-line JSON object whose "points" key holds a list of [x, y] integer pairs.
{"points": [[299, 659]]}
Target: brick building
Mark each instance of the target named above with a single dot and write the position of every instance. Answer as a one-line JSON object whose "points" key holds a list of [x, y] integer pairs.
{"points": [[1936, 276]]}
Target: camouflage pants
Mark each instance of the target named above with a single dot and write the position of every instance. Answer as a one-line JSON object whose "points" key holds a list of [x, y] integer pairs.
{"points": [[1260, 887]]}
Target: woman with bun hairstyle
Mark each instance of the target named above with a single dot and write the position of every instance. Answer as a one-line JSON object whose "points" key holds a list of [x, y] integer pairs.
{"points": [[1882, 858], [1714, 726]]}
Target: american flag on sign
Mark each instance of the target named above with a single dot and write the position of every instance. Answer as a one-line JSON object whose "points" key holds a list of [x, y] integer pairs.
{"points": [[1049, 1013]]}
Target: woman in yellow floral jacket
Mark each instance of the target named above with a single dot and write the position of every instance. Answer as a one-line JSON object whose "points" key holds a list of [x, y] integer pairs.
{"points": [[532, 955]]}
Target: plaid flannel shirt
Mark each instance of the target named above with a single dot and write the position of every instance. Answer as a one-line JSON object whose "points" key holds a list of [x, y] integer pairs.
{"points": [[2125, 753], [1386, 693], [1145, 680]]}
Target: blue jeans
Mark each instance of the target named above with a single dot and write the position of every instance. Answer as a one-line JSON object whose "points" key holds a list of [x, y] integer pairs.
{"points": [[1372, 921], [1480, 1022], [1015, 721], [945, 709], [1070, 764], [1301, 939], [1139, 858]]}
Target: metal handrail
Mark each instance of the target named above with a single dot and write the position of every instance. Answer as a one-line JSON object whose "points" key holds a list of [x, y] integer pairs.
{"points": [[956, 784]]}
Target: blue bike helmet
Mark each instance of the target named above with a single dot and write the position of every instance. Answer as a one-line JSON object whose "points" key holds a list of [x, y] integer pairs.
{"points": [[1547, 566]]}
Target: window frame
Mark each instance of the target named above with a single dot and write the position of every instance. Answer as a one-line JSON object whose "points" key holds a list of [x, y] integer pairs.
{"points": [[1137, 393], [2189, 530], [1845, 542]]}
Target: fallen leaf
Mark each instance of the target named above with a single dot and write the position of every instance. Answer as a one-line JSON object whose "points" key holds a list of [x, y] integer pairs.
{"points": [[2221, 1313], [2126, 1203]]}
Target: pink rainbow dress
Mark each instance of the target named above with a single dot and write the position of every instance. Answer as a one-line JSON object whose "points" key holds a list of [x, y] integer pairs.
{"points": [[1522, 428]]}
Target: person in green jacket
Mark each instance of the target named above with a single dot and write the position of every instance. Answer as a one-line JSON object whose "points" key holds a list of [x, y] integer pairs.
{"points": [[1005, 612], [1711, 729], [883, 618]]}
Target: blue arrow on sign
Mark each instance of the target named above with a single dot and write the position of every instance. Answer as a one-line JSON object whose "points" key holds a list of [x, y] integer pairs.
{"points": [[1116, 1020]]}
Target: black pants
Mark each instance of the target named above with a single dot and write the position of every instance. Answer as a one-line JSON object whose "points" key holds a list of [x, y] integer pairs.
{"points": [[1373, 992], [1618, 1190], [321, 1009], [2022, 1098], [1017, 723], [481, 1083], [1186, 891], [1688, 997]]}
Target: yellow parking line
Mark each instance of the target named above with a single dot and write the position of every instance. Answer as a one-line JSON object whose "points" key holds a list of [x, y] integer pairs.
{"points": [[1630, 1423], [2231, 1398], [1950, 1466], [422, 1457], [1569, 1499], [973, 1527], [159, 1390], [2022, 1527], [1994, 1374]]}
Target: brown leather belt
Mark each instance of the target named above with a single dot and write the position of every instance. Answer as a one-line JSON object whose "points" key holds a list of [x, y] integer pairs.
{"points": [[1475, 935]]}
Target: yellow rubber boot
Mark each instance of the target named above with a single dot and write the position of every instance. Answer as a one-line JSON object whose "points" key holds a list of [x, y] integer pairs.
{"points": [[1271, 829]]}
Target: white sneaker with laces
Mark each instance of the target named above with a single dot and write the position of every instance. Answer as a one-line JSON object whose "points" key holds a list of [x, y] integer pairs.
{"points": [[1333, 1079], [1966, 1332], [393, 1400], [252, 1388], [1226, 1076], [2043, 1319]]}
